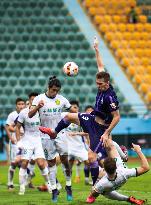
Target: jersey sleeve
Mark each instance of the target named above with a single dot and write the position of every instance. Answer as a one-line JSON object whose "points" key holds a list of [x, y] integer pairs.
{"points": [[131, 172], [21, 117], [66, 104], [112, 103], [10, 119]]}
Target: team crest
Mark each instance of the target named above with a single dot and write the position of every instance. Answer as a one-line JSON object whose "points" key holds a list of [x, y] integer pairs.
{"points": [[57, 102], [113, 105]]}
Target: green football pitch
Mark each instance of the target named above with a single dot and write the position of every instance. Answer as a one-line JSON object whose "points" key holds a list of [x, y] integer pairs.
{"points": [[139, 187]]}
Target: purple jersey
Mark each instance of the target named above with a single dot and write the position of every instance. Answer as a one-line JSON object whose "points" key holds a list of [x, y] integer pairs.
{"points": [[106, 102]]}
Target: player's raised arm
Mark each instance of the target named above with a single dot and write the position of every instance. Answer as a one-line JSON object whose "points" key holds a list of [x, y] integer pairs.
{"points": [[35, 108], [144, 163], [98, 55]]}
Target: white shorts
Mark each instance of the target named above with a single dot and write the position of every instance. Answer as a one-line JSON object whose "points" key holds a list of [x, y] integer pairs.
{"points": [[53, 147], [78, 152], [32, 150]]}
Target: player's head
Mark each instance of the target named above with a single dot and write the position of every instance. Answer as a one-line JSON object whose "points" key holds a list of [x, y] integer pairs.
{"points": [[54, 87], [110, 166], [75, 105], [31, 97], [89, 109], [102, 80], [20, 104]]}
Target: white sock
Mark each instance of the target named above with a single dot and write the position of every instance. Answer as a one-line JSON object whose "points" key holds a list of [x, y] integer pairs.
{"points": [[31, 167], [11, 171], [68, 178], [52, 176], [116, 196], [44, 173], [22, 176]]}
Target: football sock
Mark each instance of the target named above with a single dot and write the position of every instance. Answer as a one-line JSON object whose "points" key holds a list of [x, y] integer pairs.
{"points": [[52, 176], [94, 169], [22, 176], [62, 124], [44, 173], [11, 171], [86, 171]]}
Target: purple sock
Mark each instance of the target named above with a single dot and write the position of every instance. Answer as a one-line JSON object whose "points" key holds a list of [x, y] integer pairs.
{"points": [[94, 169], [62, 124], [86, 171]]}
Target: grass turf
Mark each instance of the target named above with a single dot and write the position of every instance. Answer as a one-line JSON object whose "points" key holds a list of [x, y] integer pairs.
{"points": [[139, 187]]}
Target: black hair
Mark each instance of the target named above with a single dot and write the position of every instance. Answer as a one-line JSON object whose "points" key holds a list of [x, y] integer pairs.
{"points": [[33, 94], [53, 81], [110, 165], [19, 100], [74, 102], [89, 106], [104, 75]]}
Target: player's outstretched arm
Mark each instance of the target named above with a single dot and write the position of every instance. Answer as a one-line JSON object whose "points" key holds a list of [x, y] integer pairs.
{"points": [[144, 163], [98, 55]]}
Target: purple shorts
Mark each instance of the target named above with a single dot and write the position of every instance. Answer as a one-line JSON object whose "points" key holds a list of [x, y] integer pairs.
{"points": [[95, 131]]}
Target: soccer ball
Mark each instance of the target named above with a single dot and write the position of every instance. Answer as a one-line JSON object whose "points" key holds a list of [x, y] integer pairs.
{"points": [[70, 69]]}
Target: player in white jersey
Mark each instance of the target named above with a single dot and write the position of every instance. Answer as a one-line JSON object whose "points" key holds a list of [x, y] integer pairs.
{"points": [[31, 144], [116, 174], [10, 130], [50, 106], [77, 143]]}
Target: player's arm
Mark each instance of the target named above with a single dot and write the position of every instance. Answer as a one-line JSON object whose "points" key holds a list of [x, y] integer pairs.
{"points": [[18, 133], [13, 141], [98, 56], [35, 108], [144, 167], [115, 120]]}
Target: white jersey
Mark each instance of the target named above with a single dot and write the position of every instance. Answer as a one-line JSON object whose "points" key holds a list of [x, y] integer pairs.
{"points": [[77, 140], [30, 125], [50, 113], [11, 121], [122, 174]]}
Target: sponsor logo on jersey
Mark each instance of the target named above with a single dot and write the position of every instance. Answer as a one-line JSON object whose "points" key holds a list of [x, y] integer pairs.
{"points": [[113, 105], [57, 102]]}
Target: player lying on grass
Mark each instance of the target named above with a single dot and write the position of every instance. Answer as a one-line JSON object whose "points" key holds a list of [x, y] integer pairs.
{"points": [[116, 174]]}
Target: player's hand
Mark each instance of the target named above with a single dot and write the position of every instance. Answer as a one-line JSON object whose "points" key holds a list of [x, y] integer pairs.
{"points": [[95, 43], [92, 156], [40, 104], [104, 139], [136, 148], [71, 134], [13, 141]]}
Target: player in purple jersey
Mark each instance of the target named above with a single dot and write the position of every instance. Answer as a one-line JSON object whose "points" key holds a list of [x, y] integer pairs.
{"points": [[105, 116]]}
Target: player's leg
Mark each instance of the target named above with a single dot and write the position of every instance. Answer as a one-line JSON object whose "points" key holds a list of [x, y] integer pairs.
{"points": [[78, 170], [114, 195], [67, 173], [23, 176], [44, 172], [13, 165], [30, 172], [64, 123], [26, 156], [40, 159]]}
